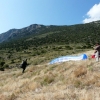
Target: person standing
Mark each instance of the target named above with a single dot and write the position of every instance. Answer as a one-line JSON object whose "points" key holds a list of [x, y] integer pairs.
{"points": [[23, 66], [97, 51]]}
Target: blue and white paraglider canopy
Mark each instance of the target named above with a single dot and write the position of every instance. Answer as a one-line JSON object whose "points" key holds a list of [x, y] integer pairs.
{"points": [[68, 58]]}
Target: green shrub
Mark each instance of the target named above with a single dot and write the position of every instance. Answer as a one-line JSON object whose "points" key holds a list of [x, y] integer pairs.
{"points": [[6, 66], [1, 65], [12, 61], [2, 68], [68, 47], [47, 80]]}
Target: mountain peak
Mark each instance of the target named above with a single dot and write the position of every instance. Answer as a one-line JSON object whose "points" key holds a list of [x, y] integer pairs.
{"points": [[12, 33]]}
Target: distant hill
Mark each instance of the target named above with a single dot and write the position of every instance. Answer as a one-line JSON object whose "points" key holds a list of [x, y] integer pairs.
{"points": [[35, 35], [20, 33]]}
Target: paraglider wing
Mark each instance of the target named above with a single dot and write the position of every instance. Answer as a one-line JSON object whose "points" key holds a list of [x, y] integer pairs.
{"points": [[68, 58]]}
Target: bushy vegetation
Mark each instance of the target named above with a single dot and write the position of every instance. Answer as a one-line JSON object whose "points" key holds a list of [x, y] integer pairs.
{"points": [[86, 34], [50, 42], [3, 65]]}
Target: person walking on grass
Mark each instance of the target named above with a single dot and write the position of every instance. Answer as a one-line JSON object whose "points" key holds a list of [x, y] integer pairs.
{"points": [[23, 65], [97, 51]]}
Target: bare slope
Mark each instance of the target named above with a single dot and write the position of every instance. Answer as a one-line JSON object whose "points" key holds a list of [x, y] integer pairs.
{"points": [[71, 80]]}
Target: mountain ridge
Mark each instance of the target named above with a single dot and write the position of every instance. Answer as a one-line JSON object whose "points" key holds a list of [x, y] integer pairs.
{"points": [[40, 29], [17, 32]]}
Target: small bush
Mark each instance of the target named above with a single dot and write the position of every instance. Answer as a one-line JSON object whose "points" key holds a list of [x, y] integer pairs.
{"points": [[2, 68], [80, 71], [68, 47], [12, 61], [6, 66], [1, 65], [77, 83], [47, 80]]}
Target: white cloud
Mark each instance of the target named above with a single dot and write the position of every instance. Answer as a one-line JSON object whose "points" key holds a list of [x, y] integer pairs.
{"points": [[93, 14]]}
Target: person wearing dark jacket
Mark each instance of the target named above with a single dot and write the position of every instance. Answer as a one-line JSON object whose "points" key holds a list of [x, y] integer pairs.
{"points": [[24, 64], [97, 51]]}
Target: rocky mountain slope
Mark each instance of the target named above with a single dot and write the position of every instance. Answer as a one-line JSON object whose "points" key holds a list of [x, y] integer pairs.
{"points": [[16, 33], [92, 28]]}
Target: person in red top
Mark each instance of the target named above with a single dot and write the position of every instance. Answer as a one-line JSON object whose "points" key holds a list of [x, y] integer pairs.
{"points": [[97, 51]]}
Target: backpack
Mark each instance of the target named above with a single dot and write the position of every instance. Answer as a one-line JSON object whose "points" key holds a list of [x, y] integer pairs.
{"points": [[21, 65]]}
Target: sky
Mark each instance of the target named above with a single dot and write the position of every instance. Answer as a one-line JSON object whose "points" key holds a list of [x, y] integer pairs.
{"points": [[22, 13]]}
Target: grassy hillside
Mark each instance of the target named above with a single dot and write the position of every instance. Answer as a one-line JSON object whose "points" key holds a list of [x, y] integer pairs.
{"points": [[37, 55], [66, 81], [72, 80]]}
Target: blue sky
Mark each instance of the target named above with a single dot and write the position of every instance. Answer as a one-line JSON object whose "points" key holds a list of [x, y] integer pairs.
{"points": [[22, 13]]}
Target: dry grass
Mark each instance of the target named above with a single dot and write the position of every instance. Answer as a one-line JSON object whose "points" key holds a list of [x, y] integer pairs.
{"points": [[71, 80]]}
